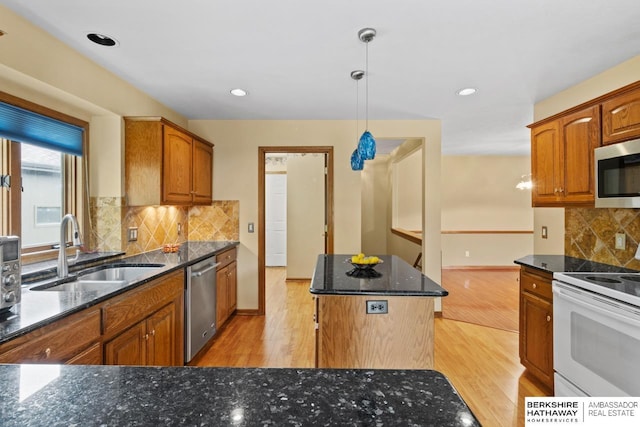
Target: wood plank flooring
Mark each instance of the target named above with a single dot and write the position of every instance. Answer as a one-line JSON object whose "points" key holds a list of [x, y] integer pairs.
{"points": [[482, 297], [481, 362]]}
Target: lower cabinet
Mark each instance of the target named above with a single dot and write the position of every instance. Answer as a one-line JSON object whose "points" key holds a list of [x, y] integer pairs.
{"points": [[74, 340], [135, 337], [226, 286], [536, 324], [149, 342]]}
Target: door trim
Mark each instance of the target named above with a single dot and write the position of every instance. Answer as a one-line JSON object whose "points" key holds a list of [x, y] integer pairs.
{"points": [[262, 154]]}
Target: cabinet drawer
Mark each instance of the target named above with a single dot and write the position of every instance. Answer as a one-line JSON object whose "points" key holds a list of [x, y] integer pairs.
{"points": [[91, 356], [536, 284], [225, 258], [122, 312], [58, 342]]}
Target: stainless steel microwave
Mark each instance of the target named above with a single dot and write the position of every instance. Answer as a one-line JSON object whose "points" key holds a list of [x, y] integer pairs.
{"points": [[617, 173]]}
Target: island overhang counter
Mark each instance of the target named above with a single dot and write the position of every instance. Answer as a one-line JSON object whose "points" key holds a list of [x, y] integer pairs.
{"points": [[379, 318]]}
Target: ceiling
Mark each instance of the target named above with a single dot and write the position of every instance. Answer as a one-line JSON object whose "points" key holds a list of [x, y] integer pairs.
{"points": [[295, 57]]}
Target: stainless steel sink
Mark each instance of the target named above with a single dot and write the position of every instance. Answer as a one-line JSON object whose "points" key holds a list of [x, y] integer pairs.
{"points": [[108, 277]]}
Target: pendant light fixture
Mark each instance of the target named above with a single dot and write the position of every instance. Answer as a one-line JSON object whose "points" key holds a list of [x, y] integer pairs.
{"points": [[357, 162], [367, 145]]}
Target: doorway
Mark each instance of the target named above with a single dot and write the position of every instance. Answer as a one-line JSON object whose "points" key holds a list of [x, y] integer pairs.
{"points": [[297, 210]]}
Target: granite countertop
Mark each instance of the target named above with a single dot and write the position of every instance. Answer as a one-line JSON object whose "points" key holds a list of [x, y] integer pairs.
{"points": [[565, 264], [39, 308], [393, 276], [54, 395]]}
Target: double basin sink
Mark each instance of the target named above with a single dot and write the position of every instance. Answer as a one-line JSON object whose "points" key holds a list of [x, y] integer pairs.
{"points": [[106, 277]]}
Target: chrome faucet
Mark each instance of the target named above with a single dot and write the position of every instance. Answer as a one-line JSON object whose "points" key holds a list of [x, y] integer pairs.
{"points": [[63, 264]]}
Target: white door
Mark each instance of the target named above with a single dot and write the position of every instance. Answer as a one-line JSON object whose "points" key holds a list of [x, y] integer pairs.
{"points": [[276, 220]]}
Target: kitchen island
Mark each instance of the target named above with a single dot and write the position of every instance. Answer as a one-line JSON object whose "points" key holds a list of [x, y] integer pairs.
{"points": [[378, 318], [55, 395]]}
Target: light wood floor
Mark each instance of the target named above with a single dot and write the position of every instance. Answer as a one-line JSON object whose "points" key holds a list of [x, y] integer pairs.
{"points": [[482, 297], [481, 362]]}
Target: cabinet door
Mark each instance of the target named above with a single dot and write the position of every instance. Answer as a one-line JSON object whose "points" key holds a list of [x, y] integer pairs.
{"points": [[202, 172], [176, 166], [232, 284], [545, 163], [161, 337], [536, 329], [580, 136], [222, 297], [91, 356], [128, 348], [621, 118]]}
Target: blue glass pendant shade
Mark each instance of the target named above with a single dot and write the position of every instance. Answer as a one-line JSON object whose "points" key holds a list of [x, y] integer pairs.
{"points": [[357, 163], [367, 146]]}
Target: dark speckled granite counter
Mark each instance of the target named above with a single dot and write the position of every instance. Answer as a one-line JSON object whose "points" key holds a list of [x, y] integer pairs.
{"points": [[562, 264], [38, 308], [396, 277], [53, 395]]}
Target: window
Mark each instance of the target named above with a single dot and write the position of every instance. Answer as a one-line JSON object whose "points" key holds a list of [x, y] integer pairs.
{"points": [[45, 178]]}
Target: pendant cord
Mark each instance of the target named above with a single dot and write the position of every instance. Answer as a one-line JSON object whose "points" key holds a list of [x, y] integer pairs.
{"points": [[367, 85], [357, 107]]}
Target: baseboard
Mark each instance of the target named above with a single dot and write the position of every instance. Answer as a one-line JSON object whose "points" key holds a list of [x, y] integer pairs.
{"points": [[297, 279], [482, 267], [247, 312]]}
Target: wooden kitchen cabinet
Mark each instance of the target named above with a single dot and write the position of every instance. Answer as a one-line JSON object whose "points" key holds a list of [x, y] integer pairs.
{"points": [[71, 340], [149, 342], [145, 326], [562, 159], [226, 286], [621, 118], [165, 164], [536, 324]]}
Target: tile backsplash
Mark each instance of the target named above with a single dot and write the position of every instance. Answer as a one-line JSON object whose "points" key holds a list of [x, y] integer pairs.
{"points": [[159, 225], [590, 234]]}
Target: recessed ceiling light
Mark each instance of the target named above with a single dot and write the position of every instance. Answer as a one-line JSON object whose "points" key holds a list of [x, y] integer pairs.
{"points": [[238, 92], [102, 39], [467, 91]]}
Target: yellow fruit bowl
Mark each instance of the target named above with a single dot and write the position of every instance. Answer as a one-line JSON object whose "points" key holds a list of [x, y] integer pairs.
{"points": [[364, 263]]}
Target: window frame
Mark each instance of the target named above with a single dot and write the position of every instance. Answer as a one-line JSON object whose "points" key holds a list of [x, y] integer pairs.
{"points": [[75, 180]]}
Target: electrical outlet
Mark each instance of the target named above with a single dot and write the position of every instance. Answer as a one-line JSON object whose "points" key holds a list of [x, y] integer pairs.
{"points": [[132, 234], [545, 232], [621, 241], [466, 254], [377, 307]]}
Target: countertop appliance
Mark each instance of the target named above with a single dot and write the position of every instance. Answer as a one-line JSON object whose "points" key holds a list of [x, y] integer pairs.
{"points": [[200, 307], [10, 272], [596, 334], [617, 175]]}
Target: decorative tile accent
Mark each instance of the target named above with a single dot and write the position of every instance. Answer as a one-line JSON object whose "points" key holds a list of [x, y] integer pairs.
{"points": [[590, 234], [158, 225], [220, 221]]}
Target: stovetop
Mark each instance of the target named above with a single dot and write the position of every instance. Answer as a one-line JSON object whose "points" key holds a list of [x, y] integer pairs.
{"points": [[621, 286]]}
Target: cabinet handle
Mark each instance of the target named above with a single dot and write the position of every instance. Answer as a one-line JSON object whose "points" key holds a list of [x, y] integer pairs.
{"points": [[153, 332], [146, 337], [47, 352], [535, 286], [548, 318]]}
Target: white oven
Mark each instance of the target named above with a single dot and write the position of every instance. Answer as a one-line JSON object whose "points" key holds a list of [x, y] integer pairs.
{"points": [[596, 343]]}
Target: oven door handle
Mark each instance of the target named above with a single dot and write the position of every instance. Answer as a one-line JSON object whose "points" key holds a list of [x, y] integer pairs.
{"points": [[610, 313]]}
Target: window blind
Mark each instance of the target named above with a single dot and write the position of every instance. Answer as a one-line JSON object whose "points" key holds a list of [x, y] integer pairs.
{"points": [[23, 125]]}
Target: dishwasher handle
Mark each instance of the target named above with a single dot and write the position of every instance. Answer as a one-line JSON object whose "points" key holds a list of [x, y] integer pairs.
{"points": [[204, 270]]}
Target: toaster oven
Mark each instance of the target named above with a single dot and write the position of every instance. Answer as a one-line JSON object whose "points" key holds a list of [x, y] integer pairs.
{"points": [[10, 272]]}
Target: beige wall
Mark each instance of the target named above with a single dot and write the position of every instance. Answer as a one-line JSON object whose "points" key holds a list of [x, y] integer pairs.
{"points": [[305, 214], [374, 200], [406, 180], [236, 176], [479, 194], [607, 81]]}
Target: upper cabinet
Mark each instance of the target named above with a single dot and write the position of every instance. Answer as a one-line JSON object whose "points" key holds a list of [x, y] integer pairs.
{"points": [[621, 118], [562, 159], [165, 164]]}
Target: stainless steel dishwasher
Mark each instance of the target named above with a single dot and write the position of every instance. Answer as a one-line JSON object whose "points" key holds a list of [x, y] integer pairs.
{"points": [[200, 312]]}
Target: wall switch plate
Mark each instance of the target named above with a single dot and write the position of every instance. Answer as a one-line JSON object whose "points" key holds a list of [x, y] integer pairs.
{"points": [[377, 307], [251, 228], [545, 232], [466, 254], [132, 234], [621, 241]]}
